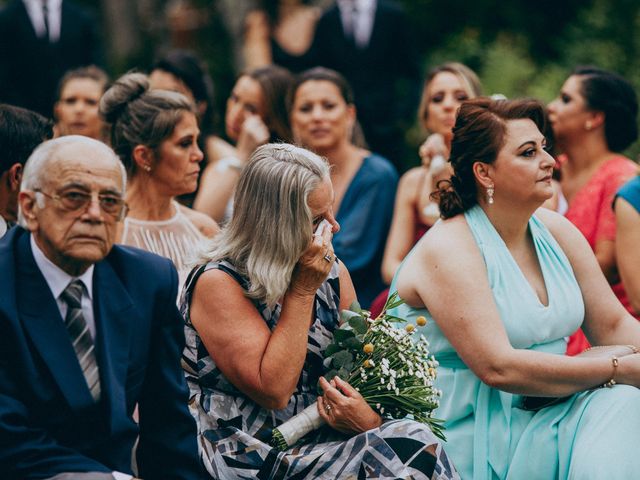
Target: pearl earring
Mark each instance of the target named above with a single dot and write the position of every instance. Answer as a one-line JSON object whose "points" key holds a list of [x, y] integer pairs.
{"points": [[588, 125], [490, 192], [147, 168]]}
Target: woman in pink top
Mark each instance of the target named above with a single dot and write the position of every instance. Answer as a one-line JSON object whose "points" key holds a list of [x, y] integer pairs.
{"points": [[593, 119]]}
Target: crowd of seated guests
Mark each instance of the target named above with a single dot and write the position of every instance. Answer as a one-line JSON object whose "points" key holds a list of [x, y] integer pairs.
{"points": [[274, 226]]}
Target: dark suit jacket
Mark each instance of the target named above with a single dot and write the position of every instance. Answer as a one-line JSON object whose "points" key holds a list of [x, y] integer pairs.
{"points": [[48, 423], [30, 68], [374, 71]]}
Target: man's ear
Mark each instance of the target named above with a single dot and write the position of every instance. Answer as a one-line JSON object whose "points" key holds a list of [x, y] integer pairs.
{"points": [[15, 177], [483, 173], [28, 206]]}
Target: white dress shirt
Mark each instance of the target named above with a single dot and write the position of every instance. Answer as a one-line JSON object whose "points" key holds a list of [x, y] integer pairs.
{"points": [[3, 226], [54, 17], [58, 279], [357, 19]]}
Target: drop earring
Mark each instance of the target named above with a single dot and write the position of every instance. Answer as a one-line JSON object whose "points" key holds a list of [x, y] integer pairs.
{"points": [[588, 125], [147, 168], [490, 191]]}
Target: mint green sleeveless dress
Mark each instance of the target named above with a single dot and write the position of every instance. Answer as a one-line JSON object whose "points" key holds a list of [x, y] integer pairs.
{"points": [[592, 435]]}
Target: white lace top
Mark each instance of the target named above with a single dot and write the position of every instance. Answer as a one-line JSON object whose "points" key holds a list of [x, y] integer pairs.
{"points": [[176, 238]]}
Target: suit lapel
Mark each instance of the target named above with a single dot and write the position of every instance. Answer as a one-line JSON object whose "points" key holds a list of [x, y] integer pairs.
{"points": [[42, 321], [115, 317]]}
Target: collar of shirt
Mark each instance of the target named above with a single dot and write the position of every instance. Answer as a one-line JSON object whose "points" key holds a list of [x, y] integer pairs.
{"points": [[36, 15], [56, 278], [358, 23], [4, 226], [361, 6]]}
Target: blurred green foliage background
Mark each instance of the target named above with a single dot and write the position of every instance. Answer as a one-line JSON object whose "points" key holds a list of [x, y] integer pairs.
{"points": [[522, 48]]}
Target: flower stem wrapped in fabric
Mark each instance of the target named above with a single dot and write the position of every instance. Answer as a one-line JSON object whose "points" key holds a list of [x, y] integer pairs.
{"points": [[393, 371]]}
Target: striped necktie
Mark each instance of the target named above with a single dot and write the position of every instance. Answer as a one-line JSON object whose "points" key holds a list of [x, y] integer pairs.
{"points": [[80, 336]]}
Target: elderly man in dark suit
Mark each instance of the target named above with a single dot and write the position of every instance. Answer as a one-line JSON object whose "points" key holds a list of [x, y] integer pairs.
{"points": [[89, 331]]}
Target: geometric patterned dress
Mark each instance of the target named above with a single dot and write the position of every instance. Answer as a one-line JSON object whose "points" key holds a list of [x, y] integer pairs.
{"points": [[234, 431]]}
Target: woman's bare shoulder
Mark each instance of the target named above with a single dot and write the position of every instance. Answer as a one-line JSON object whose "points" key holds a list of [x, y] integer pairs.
{"points": [[218, 148], [207, 226]]}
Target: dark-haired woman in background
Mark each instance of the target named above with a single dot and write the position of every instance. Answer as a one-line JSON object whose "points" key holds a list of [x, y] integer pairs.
{"points": [[155, 134], [76, 108], [502, 283], [256, 114], [323, 118], [594, 119]]}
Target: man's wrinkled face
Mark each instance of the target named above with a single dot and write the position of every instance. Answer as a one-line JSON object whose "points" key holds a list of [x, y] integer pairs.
{"points": [[71, 234]]}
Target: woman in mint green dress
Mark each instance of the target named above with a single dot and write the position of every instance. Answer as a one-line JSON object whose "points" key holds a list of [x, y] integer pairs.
{"points": [[502, 283]]}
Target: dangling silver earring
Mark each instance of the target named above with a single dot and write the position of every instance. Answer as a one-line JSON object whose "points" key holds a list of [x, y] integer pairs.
{"points": [[490, 191]]}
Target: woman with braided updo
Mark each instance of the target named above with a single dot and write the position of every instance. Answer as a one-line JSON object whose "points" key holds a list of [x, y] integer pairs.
{"points": [[155, 133], [593, 119], [496, 287]]}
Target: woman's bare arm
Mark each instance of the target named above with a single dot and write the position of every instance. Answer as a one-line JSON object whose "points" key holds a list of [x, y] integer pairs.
{"points": [[264, 364], [456, 290], [628, 249]]}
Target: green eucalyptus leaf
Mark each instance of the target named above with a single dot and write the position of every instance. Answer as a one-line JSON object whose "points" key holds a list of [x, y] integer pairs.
{"points": [[355, 307], [340, 335], [354, 343], [331, 349], [343, 373], [346, 315], [358, 324], [341, 358], [330, 374]]}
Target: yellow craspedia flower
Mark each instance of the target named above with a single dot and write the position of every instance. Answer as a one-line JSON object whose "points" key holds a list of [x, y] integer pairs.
{"points": [[410, 327], [368, 348], [421, 321], [367, 364]]}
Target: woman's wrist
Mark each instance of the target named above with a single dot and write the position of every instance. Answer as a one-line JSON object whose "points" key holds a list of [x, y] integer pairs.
{"points": [[623, 372], [230, 163]]}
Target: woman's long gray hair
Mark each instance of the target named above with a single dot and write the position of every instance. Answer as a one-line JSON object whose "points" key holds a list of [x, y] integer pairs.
{"points": [[271, 224]]}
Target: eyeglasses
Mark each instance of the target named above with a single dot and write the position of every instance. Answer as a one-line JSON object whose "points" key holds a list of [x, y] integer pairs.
{"points": [[75, 200]]}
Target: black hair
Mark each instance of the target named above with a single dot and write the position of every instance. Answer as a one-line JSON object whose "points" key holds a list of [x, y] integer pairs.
{"points": [[609, 93], [21, 131]]}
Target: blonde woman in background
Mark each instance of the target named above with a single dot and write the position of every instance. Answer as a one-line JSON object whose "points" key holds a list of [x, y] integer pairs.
{"points": [[445, 88]]}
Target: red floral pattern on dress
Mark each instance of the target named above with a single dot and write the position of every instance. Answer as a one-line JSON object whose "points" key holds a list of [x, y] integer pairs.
{"points": [[591, 211]]}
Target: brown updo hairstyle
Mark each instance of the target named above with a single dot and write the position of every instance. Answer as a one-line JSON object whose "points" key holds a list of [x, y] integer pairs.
{"points": [[478, 136], [139, 115]]}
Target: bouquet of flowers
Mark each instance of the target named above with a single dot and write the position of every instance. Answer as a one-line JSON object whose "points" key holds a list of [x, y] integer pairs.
{"points": [[392, 371]]}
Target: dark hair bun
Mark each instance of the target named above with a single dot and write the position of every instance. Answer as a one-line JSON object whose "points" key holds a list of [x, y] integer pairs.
{"points": [[124, 91]]}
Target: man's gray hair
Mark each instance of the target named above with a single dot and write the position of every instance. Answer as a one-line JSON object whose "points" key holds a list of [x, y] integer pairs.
{"points": [[271, 224], [35, 170]]}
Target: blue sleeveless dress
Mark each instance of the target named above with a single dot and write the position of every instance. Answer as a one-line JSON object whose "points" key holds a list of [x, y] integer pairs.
{"points": [[593, 434]]}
